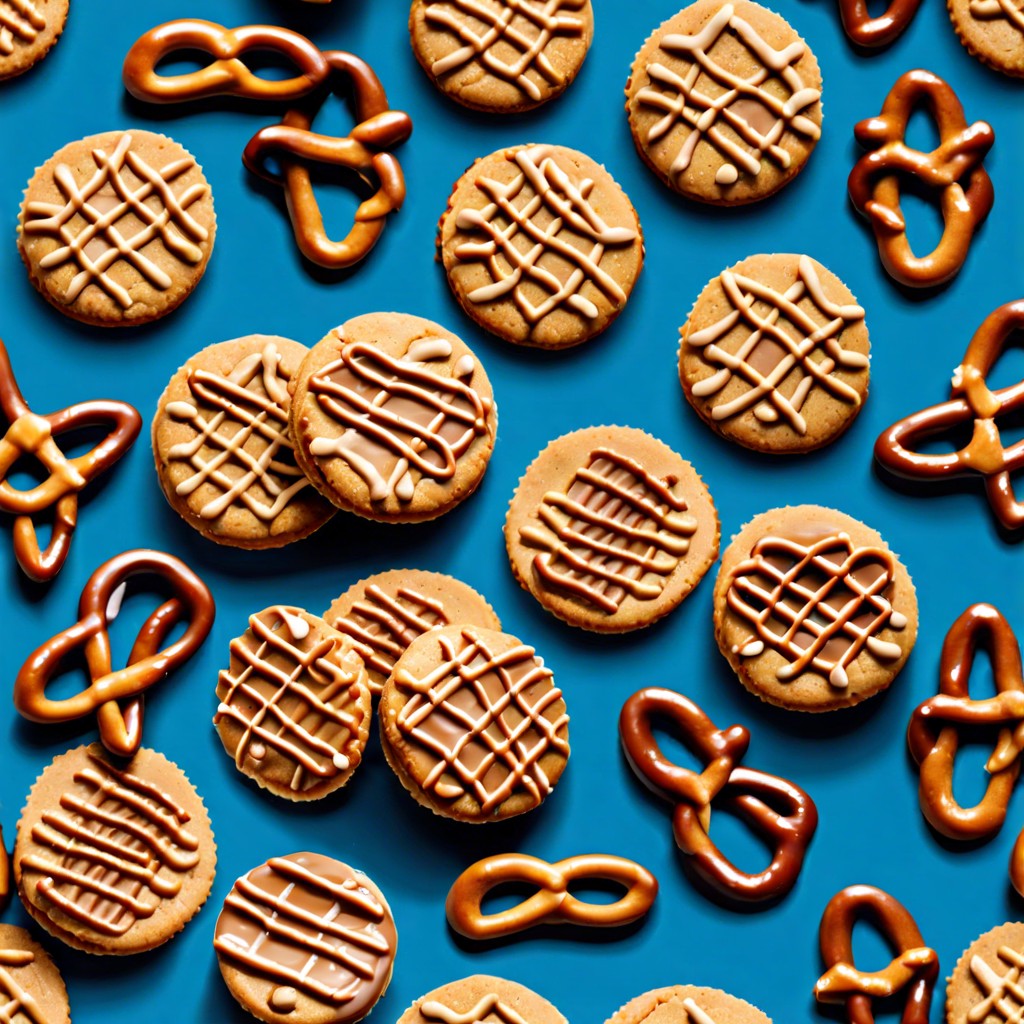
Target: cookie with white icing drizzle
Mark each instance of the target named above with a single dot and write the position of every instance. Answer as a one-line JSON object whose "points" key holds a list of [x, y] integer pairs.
{"points": [[987, 984], [223, 447], [31, 988], [992, 31], [481, 999], [28, 31], [688, 1004]]}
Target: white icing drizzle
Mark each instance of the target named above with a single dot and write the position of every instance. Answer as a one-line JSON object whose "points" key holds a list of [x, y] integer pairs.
{"points": [[16, 1003], [1003, 993], [486, 1010], [20, 20], [1008, 9], [696, 1014]]}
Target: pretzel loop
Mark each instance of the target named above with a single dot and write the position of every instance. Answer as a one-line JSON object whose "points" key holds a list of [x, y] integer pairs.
{"points": [[5, 874], [870, 32]]}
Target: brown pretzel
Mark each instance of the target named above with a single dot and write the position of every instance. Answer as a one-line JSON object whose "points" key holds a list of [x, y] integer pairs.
{"points": [[227, 74], [120, 724], [34, 436], [5, 874], [970, 401], [870, 32], [552, 903], [363, 150], [753, 795], [874, 182], [914, 968]]}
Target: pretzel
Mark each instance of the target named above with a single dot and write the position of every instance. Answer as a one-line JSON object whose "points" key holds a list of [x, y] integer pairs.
{"points": [[32, 435], [120, 725], [970, 400], [363, 151], [753, 795], [874, 182], [5, 874], [227, 74], [914, 968], [863, 30], [552, 903]]}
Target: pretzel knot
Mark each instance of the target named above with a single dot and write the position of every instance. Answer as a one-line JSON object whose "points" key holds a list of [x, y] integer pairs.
{"points": [[363, 151], [914, 969], [774, 808], [870, 32], [116, 695], [552, 903], [953, 169]]}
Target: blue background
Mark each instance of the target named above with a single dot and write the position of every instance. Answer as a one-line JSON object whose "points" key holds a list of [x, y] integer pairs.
{"points": [[853, 763]]}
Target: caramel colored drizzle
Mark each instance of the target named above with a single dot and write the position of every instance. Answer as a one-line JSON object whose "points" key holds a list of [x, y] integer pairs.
{"points": [[20, 20], [292, 696], [1007, 9], [617, 531], [488, 1008], [718, 118], [791, 336], [1003, 993], [476, 729], [697, 1015], [16, 1004], [811, 604], [113, 856], [536, 207]]}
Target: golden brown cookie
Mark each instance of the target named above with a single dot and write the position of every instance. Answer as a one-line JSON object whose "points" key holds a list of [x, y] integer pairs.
{"points": [[481, 999], [384, 613], [541, 246], [688, 1004], [295, 704], [724, 102], [117, 229], [812, 610], [501, 56], [992, 31], [305, 939], [31, 988], [223, 448], [113, 859], [473, 724], [393, 418], [609, 529], [985, 986], [28, 31], [775, 354]]}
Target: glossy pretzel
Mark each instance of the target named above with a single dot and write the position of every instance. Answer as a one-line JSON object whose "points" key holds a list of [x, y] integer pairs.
{"points": [[32, 436], [120, 724], [5, 874], [753, 795], [953, 169], [552, 903], [870, 32]]}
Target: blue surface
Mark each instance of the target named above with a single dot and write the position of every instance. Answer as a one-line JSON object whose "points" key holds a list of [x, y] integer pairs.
{"points": [[854, 764]]}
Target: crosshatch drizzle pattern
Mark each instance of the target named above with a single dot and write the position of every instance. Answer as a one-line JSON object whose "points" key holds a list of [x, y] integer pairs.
{"points": [[489, 1009], [15, 1003], [20, 20], [1004, 992], [1011, 10]]}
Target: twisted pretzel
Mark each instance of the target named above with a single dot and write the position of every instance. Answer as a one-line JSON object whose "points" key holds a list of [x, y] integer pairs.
{"points": [[914, 968], [753, 795], [31, 435], [120, 724], [870, 32], [552, 903], [5, 874], [363, 151], [970, 399], [874, 182]]}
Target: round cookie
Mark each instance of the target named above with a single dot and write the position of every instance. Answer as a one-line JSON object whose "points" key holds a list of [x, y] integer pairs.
{"points": [[978, 981], [95, 899], [609, 529], [384, 613], [521, 275], [501, 56], [223, 449], [305, 939], [117, 229], [734, 150], [393, 418], [295, 704], [488, 738], [28, 31], [992, 31], [812, 610], [775, 354], [688, 1004], [31, 988], [482, 999]]}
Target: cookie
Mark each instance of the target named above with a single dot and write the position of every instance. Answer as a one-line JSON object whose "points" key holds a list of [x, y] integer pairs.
{"points": [[113, 859], [31, 988], [775, 354], [481, 999], [295, 704], [609, 529], [393, 418], [305, 939], [117, 229], [473, 724], [688, 1004], [812, 610], [501, 56], [28, 31], [992, 31], [541, 246], [985, 987], [724, 102], [384, 613], [223, 447]]}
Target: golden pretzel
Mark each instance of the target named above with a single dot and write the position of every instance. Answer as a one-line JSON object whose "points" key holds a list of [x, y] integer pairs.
{"points": [[5, 874], [552, 903], [953, 169], [120, 727], [870, 32]]}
